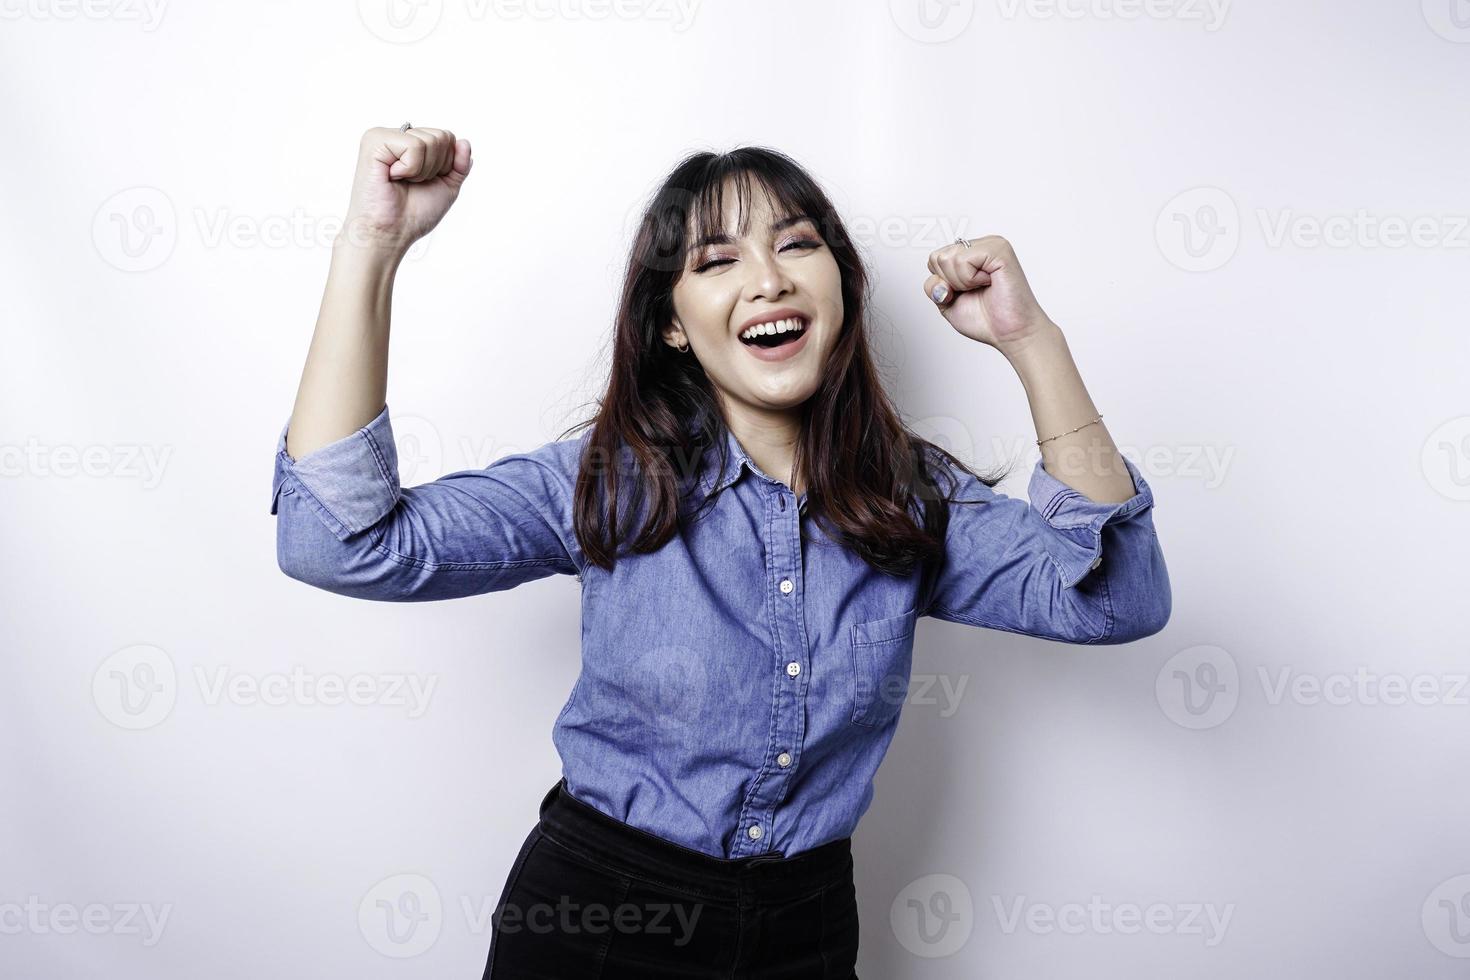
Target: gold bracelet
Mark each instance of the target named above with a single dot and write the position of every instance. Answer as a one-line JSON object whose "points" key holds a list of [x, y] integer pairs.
{"points": [[1069, 431]]}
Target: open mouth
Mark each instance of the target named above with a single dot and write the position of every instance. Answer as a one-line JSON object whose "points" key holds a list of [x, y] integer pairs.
{"points": [[778, 333]]}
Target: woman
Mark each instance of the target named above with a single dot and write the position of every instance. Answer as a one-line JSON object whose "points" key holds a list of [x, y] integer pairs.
{"points": [[756, 534]]}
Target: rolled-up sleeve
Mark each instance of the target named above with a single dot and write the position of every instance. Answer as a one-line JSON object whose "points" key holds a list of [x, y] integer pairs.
{"points": [[1061, 566], [344, 523]]}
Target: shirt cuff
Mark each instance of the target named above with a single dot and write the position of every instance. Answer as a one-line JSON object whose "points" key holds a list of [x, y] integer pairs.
{"points": [[350, 483], [1077, 547]]}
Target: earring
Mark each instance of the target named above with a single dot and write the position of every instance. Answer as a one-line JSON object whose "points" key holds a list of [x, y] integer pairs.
{"points": [[684, 348]]}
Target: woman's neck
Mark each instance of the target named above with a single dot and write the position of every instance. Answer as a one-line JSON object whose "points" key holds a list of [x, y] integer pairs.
{"points": [[769, 437]]}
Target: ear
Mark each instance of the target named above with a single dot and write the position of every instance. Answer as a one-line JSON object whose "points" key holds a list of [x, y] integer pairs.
{"points": [[674, 335]]}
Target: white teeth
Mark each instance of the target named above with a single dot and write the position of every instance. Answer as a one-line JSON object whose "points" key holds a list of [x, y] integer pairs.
{"points": [[777, 326]]}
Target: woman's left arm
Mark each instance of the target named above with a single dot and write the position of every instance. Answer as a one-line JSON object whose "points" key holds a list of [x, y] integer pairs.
{"points": [[1086, 499], [984, 295]]}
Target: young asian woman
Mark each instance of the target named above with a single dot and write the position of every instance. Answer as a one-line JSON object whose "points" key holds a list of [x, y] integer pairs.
{"points": [[755, 531]]}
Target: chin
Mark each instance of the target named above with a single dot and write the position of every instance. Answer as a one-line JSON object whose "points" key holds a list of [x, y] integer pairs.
{"points": [[785, 397]]}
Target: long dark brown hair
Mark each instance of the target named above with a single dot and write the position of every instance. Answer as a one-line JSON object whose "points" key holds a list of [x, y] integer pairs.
{"points": [[865, 472]]}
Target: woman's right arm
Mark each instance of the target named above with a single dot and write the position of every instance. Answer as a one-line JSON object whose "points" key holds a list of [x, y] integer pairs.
{"points": [[343, 522], [403, 184]]}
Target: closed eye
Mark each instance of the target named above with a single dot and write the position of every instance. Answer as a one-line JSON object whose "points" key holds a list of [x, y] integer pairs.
{"points": [[804, 243]]}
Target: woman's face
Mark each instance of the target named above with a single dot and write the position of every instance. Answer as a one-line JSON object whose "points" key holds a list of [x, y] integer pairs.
{"points": [[781, 267]]}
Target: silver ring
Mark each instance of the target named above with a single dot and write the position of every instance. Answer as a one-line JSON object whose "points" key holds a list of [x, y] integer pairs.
{"points": [[961, 241], [405, 127]]}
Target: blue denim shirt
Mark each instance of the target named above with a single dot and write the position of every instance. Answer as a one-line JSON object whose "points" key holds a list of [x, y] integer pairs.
{"points": [[738, 687]]}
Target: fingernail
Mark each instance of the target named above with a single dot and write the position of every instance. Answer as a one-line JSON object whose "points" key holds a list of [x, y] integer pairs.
{"points": [[939, 292]]}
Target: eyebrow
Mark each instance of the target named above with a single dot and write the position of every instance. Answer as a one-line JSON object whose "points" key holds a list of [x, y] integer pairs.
{"points": [[723, 239]]}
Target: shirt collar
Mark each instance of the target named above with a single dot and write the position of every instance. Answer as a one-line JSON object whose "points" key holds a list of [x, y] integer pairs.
{"points": [[736, 460]]}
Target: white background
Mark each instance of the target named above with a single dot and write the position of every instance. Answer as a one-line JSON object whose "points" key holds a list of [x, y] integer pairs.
{"points": [[171, 181]]}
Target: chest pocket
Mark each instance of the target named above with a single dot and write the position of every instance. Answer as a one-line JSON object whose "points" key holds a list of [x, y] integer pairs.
{"points": [[882, 656]]}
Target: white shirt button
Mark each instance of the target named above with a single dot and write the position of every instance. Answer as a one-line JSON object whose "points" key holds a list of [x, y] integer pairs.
{"points": [[786, 586], [754, 831], [793, 668], [783, 760]]}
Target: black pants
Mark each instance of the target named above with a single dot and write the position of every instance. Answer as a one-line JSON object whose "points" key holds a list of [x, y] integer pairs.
{"points": [[592, 898]]}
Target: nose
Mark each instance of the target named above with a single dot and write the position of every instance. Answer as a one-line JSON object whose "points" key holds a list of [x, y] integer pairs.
{"points": [[767, 279]]}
